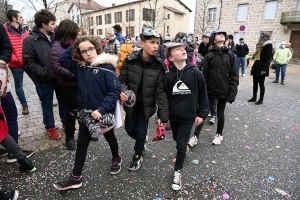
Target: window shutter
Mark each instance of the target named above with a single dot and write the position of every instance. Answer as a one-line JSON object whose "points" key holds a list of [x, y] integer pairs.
{"points": [[270, 10], [242, 12]]}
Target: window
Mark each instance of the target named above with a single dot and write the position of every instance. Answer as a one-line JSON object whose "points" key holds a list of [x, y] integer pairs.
{"points": [[242, 12], [78, 22], [130, 31], [107, 18], [148, 14], [73, 17], [168, 16], [99, 32], [118, 17], [212, 14], [270, 10], [298, 6], [99, 20], [130, 15], [92, 21], [91, 31]]}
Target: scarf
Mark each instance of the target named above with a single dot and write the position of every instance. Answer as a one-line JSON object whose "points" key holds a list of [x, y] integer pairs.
{"points": [[259, 48]]}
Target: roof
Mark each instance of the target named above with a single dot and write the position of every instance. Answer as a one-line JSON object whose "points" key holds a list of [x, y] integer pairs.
{"points": [[184, 5], [88, 6], [174, 10]]}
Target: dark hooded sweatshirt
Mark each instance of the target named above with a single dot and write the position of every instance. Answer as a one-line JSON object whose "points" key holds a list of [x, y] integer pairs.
{"points": [[187, 96]]}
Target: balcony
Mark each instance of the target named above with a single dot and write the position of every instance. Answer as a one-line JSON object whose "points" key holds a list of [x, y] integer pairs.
{"points": [[292, 17]]}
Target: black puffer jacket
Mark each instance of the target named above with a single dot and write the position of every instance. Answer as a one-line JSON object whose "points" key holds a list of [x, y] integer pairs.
{"points": [[36, 57], [221, 74], [5, 45], [132, 72]]}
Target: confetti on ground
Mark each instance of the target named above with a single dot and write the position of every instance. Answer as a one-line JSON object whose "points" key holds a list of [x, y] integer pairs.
{"points": [[154, 156], [173, 160], [287, 137], [277, 147], [296, 128], [237, 119], [207, 129], [226, 196], [271, 178], [214, 162], [281, 192], [195, 162], [246, 134], [247, 147]]}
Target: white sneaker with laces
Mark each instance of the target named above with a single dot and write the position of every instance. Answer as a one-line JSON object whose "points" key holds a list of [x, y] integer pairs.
{"points": [[177, 180], [193, 141], [212, 120], [217, 139], [244, 75]]}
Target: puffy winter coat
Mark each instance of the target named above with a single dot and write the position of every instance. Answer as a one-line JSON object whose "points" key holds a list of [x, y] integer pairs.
{"points": [[64, 76], [125, 50], [221, 74], [98, 85], [282, 55], [5, 45], [112, 47], [16, 42], [36, 58], [133, 71]]}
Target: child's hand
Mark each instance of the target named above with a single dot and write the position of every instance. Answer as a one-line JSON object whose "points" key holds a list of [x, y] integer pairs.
{"points": [[123, 97], [161, 123], [198, 121], [96, 115]]}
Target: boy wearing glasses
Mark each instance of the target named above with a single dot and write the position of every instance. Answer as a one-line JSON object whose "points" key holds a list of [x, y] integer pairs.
{"points": [[142, 73]]}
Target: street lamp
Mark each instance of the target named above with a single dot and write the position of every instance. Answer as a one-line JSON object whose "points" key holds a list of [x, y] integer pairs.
{"points": [[165, 21]]}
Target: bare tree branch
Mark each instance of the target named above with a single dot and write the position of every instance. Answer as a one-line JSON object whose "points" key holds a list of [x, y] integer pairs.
{"points": [[201, 17]]}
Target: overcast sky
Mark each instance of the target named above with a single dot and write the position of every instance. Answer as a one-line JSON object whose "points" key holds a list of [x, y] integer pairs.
{"points": [[28, 13]]}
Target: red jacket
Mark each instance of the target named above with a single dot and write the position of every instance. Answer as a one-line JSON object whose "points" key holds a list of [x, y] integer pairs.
{"points": [[3, 125], [17, 44]]}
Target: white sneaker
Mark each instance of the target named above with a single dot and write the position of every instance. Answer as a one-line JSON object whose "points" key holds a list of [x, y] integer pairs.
{"points": [[244, 75], [193, 141], [177, 180], [217, 139], [212, 120]]}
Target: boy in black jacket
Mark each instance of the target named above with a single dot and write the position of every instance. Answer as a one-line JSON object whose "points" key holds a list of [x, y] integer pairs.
{"points": [[188, 103]]}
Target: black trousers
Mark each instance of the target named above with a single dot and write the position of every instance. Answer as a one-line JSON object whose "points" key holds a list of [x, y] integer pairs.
{"points": [[84, 138], [261, 82], [181, 134], [220, 115]]}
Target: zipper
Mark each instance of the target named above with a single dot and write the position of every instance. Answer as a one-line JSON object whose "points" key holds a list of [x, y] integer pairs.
{"points": [[85, 92]]}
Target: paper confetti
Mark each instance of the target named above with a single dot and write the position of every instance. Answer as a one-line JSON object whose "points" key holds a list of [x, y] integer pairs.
{"points": [[277, 147], [195, 162], [214, 162], [287, 137], [271, 178], [247, 147], [226, 196], [173, 160], [281, 192], [296, 128], [154, 156], [237, 119]]}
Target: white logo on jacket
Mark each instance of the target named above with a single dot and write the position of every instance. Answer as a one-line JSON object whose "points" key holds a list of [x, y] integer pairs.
{"points": [[95, 71], [180, 88]]}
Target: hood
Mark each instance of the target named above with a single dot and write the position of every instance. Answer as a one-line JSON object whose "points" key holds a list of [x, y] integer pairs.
{"points": [[105, 58], [187, 67], [283, 43]]}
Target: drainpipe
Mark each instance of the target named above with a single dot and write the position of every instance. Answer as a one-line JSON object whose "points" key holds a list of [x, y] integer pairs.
{"points": [[220, 15]]}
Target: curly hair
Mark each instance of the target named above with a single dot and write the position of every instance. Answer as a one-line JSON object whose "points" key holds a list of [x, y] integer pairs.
{"points": [[92, 39], [43, 16]]}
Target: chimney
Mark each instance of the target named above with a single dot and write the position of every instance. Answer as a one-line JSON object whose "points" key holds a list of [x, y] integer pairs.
{"points": [[113, 4]]}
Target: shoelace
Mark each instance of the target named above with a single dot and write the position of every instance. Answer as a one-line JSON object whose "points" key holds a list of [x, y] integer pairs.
{"points": [[176, 177]]}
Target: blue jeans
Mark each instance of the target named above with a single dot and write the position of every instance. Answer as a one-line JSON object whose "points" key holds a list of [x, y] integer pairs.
{"points": [[18, 79], [283, 70], [136, 127], [241, 63], [47, 92], [11, 114]]}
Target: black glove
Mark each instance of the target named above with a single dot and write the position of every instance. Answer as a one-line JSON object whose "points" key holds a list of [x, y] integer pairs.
{"points": [[263, 72]]}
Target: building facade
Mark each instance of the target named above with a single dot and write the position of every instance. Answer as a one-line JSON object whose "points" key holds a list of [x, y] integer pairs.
{"points": [[168, 17], [248, 18], [4, 7]]}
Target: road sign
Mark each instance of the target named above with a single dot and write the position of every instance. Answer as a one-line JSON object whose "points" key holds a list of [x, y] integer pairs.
{"points": [[242, 28]]}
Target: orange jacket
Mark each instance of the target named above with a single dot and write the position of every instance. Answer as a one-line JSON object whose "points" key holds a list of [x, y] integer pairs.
{"points": [[124, 51]]}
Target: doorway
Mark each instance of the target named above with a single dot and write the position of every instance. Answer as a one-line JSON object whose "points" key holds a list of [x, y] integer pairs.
{"points": [[295, 41]]}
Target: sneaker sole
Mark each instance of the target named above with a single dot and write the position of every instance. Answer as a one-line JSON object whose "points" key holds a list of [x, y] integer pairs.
{"points": [[136, 168], [114, 173], [54, 138], [212, 122], [16, 195], [15, 160], [67, 188], [176, 189], [3, 155]]}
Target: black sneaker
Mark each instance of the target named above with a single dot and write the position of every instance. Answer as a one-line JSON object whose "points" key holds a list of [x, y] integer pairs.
{"points": [[212, 120], [26, 165], [9, 195], [70, 144], [12, 159], [177, 180], [69, 183], [136, 163], [116, 165], [3, 153]]}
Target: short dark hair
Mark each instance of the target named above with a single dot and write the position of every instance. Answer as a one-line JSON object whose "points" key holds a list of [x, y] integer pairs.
{"points": [[12, 13], [92, 39], [66, 30], [43, 16], [241, 39]]}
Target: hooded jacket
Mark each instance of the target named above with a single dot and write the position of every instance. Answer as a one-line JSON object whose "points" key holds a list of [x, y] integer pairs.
{"points": [[221, 74], [36, 57], [282, 55], [64, 76], [187, 96], [5, 45], [98, 85], [16, 40], [134, 75]]}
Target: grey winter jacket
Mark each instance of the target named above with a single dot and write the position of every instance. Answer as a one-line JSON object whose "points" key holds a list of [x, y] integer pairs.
{"points": [[113, 47]]}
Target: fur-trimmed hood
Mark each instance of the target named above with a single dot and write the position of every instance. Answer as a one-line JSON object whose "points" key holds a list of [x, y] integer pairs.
{"points": [[105, 58]]}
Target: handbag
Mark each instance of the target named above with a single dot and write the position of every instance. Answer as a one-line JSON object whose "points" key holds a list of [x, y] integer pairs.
{"points": [[273, 65], [3, 80]]}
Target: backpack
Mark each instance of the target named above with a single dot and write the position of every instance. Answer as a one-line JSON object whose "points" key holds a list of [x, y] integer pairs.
{"points": [[125, 50]]}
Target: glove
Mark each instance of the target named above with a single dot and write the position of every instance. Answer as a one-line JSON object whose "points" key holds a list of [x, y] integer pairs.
{"points": [[263, 72]]}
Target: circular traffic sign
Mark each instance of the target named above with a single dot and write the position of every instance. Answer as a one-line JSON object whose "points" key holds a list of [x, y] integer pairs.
{"points": [[242, 28]]}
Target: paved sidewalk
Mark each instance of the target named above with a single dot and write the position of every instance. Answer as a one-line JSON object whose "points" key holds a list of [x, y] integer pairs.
{"points": [[258, 159]]}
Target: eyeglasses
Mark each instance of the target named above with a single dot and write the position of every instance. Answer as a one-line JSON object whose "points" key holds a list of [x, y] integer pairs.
{"points": [[90, 50]]}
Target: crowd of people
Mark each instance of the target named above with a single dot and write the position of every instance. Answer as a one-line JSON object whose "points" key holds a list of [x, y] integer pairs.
{"points": [[166, 77]]}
